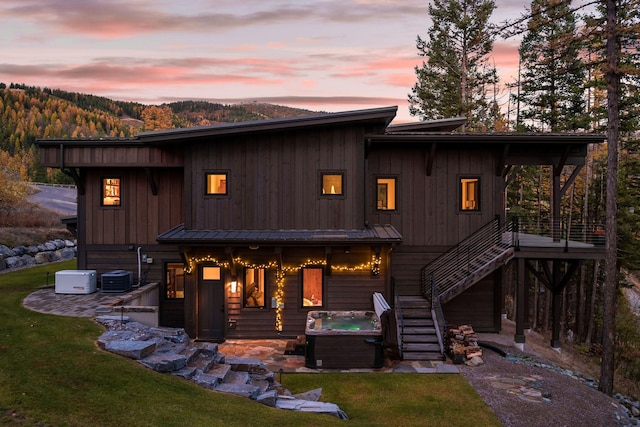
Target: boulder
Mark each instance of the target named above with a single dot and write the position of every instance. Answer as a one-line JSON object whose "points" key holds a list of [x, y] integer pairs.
{"points": [[5, 252]]}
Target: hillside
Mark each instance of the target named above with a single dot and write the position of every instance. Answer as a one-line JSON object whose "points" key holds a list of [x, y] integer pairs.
{"points": [[28, 113]]}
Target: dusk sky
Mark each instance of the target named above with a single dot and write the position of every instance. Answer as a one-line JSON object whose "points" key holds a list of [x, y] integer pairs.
{"points": [[323, 55]]}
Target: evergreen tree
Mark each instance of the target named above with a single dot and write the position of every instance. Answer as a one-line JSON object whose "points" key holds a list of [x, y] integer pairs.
{"points": [[551, 94], [456, 76]]}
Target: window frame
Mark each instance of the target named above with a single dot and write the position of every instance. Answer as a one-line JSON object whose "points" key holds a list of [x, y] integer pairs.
{"points": [[329, 195], [322, 288], [166, 281], [227, 175], [395, 193], [462, 191], [103, 185], [264, 285]]}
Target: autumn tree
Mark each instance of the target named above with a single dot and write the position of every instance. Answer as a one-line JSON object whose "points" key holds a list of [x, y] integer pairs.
{"points": [[456, 76], [157, 118], [551, 94]]}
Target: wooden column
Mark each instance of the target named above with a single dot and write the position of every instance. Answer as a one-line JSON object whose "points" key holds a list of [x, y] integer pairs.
{"points": [[557, 288], [520, 297]]}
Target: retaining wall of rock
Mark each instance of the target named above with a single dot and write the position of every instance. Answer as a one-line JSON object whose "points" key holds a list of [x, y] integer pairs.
{"points": [[28, 256]]}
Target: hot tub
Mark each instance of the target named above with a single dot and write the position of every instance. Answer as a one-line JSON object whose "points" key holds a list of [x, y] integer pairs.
{"points": [[343, 340]]}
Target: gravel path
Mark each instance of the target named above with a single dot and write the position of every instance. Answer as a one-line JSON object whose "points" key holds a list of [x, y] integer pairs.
{"points": [[521, 394]]}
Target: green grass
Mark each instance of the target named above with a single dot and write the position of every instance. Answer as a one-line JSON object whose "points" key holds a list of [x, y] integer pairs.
{"points": [[52, 374]]}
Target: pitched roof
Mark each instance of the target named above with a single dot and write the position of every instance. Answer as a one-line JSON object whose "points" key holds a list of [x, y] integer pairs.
{"points": [[376, 234]]}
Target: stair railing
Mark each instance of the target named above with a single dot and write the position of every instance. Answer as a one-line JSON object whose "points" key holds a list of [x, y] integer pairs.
{"points": [[437, 314], [399, 317], [458, 261]]}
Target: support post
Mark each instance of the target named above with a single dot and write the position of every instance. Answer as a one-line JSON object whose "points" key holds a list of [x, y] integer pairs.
{"points": [[520, 296], [556, 304]]}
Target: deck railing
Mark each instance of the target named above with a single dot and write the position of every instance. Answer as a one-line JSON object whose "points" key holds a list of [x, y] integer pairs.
{"points": [[563, 230]]}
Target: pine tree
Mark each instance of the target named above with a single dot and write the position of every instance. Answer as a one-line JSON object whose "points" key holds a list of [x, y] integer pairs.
{"points": [[552, 93], [456, 76]]}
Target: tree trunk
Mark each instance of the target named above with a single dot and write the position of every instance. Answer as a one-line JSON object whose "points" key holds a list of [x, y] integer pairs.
{"points": [[592, 303], [613, 135]]}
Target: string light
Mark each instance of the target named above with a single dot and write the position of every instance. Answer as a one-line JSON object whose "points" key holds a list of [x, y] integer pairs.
{"points": [[373, 265]]}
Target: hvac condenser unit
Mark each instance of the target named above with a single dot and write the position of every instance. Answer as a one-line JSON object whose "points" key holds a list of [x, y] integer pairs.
{"points": [[75, 281], [117, 281]]}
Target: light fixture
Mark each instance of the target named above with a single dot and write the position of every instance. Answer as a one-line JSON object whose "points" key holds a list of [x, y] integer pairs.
{"points": [[234, 284]]}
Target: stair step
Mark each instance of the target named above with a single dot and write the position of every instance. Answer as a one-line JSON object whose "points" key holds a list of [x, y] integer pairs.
{"points": [[422, 356], [417, 313], [410, 339], [418, 322], [408, 302], [423, 347], [415, 330]]}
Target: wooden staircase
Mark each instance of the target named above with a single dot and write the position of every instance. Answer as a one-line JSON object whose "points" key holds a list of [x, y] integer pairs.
{"points": [[420, 318], [419, 335]]}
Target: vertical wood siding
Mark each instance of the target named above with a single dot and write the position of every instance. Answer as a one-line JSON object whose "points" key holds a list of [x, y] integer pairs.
{"points": [[274, 181]]}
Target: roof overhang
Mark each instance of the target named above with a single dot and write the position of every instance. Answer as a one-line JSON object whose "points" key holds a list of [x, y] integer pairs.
{"points": [[373, 235], [438, 125], [376, 117]]}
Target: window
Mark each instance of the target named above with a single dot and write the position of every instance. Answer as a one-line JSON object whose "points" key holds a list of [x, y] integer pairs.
{"points": [[254, 287], [110, 191], [332, 184], [217, 183], [312, 291], [175, 281], [470, 194], [386, 194], [211, 273]]}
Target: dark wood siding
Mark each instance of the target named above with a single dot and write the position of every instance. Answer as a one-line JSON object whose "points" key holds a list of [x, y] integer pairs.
{"points": [[274, 181], [428, 211], [477, 306], [105, 155], [142, 216]]}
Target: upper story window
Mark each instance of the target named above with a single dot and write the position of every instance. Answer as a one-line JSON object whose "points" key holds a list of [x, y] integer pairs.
{"points": [[470, 194], [111, 192], [217, 183], [386, 194], [332, 183]]}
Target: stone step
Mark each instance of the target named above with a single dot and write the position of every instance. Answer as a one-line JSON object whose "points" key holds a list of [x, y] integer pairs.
{"points": [[219, 371], [243, 390], [164, 362], [202, 362], [234, 377]]}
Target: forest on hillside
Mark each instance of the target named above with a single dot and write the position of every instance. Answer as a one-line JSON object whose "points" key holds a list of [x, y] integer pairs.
{"points": [[28, 113]]}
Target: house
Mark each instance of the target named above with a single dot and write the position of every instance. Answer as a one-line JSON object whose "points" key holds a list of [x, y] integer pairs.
{"points": [[248, 226]]}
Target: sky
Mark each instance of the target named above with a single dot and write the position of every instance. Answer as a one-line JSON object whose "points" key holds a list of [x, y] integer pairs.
{"points": [[321, 55]]}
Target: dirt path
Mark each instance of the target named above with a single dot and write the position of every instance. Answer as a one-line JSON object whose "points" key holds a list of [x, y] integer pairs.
{"points": [[529, 388]]}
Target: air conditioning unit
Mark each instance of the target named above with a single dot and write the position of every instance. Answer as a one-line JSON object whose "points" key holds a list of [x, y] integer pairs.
{"points": [[75, 281], [117, 281]]}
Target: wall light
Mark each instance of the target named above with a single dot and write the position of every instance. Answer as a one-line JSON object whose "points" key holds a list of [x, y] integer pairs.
{"points": [[234, 284]]}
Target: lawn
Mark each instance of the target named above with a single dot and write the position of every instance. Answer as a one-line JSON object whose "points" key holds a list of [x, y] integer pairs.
{"points": [[52, 374]]}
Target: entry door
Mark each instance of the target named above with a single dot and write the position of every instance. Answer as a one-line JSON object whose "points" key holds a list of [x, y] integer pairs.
{"points": [[211, 318]]}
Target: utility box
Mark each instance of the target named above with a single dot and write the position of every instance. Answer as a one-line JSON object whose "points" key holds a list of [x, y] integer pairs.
{"points": [[75, 281], [117, 281]]}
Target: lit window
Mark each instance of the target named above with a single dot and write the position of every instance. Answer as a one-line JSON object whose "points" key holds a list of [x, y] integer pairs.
{"points": [[211, 273], [175, 280], [312, 287], [470, 194], [254, 287], [217, 183], [386, 194], [332, 184], [111, 192]]}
